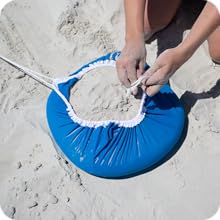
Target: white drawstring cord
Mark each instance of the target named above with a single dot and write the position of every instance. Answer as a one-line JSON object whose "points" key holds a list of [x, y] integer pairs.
{"points": [[35, 75], [136, 84], [54, 85]]}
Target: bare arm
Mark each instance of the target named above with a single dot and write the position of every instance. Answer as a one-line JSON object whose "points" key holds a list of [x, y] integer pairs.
{"points": [[134, 19], [206, 23], [170, 60], [130, 64]]}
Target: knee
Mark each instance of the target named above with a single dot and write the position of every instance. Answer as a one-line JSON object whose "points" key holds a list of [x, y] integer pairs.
{"points": [[150, 30], [214, 54], [213, 45], [157, 17], [153, 29]]}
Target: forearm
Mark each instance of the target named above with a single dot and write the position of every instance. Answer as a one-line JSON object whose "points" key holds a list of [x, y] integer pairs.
{"points": [[134, 19], [206, 23]]}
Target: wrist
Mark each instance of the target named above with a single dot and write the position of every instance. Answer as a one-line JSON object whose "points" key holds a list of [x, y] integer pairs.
{"points": [[186, 51], [134, 37]]}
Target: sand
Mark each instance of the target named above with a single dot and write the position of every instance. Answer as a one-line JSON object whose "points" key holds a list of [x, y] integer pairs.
{"points": [[55, 38], [99, 95]]}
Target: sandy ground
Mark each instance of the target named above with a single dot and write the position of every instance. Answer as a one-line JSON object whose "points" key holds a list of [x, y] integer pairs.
{"points": [[102, 99], [55, 37]]}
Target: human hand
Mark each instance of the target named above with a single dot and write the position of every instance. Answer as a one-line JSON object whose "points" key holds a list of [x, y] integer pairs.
{"points": [[163, 68], [130, 64]]}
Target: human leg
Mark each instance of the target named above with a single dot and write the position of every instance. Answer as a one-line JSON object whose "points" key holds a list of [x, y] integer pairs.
{"points": [[158, 14], [214, 45]]}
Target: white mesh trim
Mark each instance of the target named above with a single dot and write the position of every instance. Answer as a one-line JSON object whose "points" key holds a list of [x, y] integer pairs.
{"points": [[53, 84], [86, 123]]}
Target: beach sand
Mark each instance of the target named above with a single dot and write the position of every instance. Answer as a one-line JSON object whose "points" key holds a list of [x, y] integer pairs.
{"points": [[99, 95], [55, 38]]}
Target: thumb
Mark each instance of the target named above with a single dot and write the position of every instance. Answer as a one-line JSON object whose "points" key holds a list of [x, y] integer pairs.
{"points": [[159, 77], [152, 90], [150, 72]]}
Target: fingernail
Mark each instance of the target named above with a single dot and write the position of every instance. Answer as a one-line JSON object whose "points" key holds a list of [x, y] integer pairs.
{"points": [[144, 88], [134, 91]]}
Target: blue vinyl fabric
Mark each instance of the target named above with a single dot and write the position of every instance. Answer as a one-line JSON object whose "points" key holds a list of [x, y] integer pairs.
{"points": [[114, 151]]}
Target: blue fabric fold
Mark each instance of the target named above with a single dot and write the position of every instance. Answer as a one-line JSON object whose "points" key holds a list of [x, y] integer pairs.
{"points": [[113, 151]]}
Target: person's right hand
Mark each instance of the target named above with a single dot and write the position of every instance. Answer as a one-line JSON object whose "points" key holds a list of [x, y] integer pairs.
{"points": [[130, 64], [164, 67]]}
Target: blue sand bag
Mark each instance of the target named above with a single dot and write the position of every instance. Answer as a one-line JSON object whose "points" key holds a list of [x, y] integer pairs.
{"points": [[114, 149], [111, 149]]}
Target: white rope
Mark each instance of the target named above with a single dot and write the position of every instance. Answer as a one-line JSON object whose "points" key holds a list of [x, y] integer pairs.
{"points": [[136, 84], [53, 84], [86, 123], [35, 75]]}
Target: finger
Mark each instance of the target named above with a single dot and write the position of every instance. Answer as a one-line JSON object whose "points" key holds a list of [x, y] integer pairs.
{"points": [[150, 72], [122, 76], [153, 69], [132, 73], [153, 80], [140, 69], [151, 76], [143, 87], [134, 91], [153, 90], [147, 75], [132, 76], [158, 78]]}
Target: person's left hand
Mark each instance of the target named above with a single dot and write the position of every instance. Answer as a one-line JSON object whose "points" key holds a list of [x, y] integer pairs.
{"points": [[163, 68]]}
